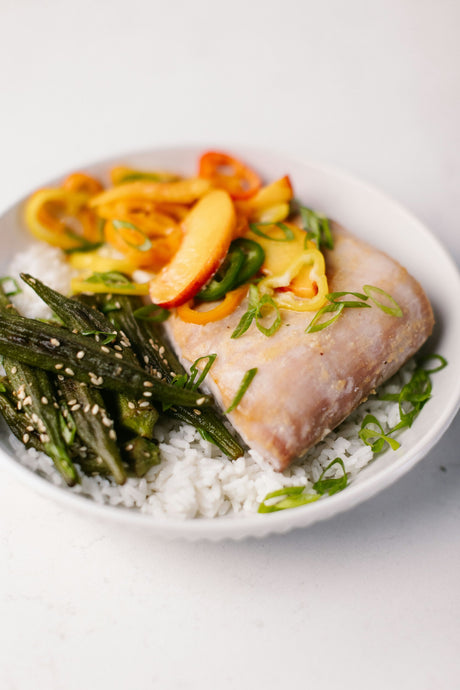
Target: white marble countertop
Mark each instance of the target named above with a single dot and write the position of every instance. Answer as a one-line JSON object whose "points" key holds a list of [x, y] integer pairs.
{"points": [[369, 599]]}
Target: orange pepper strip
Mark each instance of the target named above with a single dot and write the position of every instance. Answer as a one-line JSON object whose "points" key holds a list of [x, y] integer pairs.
{"points": [[229, 173], [139, 249], [181, 192], [232, 299], [81, 182]]}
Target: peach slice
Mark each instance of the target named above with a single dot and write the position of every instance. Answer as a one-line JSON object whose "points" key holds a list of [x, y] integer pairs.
{"points": [[208, 230]]}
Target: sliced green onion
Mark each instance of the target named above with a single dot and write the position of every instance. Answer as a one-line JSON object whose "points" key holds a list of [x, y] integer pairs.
{"points": [[151, 312], [256, 306], [317, 227], [146, 244], [108, 278], [426, 358], [264, 303], [333, 484], [393, 311], [194, 371], [293, 498], [373, 438], [314, 326], [247, 378], [288, 233], [10, 292], [334, 296], [109, 337]]}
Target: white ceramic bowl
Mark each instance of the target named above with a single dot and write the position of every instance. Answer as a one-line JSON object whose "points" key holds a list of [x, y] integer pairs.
{"points": [[370, 215]]}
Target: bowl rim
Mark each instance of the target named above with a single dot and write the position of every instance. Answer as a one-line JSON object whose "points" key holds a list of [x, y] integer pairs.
{"points": [[257, 525]]}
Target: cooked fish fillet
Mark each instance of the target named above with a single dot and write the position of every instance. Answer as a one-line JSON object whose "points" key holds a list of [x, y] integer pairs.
{"points": [[307, 384]]}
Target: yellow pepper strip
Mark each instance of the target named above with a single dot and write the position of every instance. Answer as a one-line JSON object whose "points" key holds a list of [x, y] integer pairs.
{"points": [[232, 299], [122, 174], [78, 285], [181, 192], [278, 192], [93, 262], [42, 214], [287, 299], [81, 182], [273, 214]]}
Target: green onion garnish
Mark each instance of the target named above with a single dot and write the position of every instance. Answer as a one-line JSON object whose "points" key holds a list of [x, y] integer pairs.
{"points": [[374, 438], [146, 244], [13, 290], [293, 498], [108, 337], [315, 325], [334, 296], [370, 291], [194, 371], [426, 358], [317, 227], [258, 306], [333, 484], [247, 378], [286, 230], [151, 312]]}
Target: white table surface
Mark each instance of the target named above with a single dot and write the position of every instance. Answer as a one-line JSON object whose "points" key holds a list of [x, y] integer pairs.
{"points": [[369, 599]]}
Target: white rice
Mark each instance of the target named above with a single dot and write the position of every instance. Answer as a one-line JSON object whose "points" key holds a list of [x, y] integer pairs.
{"points": [[194, 478]]}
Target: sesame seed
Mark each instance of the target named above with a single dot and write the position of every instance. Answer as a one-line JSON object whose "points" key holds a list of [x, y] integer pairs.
{"points": [[44, 400], [104, 348], [146, 359], [161, 351], [118, 347], [44, 438], [95, 409], [34, 418], [21, 394], [86, 408], [80, 354], [56, 406], [28, 401], [75, 407], [106, 421], [144, 403], [29, 428], [60, 377], [131, 406], [148, 384], [112, 434], [19, 405], [32, 280], [26, 438], [55, 342], [75, 330], [197, 412], [147, 394], [72, 402], [97, 339], [14, 370], [130, 446], [69, 371], [118, 371], [200, 401], [118, 355], [59, 366]]}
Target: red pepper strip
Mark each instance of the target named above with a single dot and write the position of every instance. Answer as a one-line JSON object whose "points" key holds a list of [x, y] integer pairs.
{"points": [[228, 173]]}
